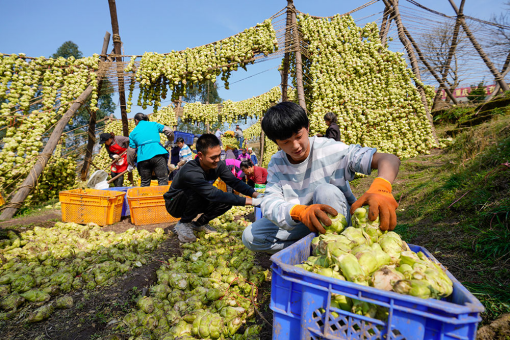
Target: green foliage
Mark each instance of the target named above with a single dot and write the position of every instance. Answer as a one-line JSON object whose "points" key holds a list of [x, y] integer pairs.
{"points": [[453, 115], [205, 92], [67, 50], [477, 93]]}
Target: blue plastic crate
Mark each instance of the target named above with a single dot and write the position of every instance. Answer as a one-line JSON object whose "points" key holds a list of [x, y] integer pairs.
{"points": [[258, 213], [188, 137], [125, 206], [297, 295]]}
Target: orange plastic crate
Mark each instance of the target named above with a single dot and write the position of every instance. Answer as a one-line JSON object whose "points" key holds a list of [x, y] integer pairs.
{"points": [[2, 201], [84, 206], [147, 205]]}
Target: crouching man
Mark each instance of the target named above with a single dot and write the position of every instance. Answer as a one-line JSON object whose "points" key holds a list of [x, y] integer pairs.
{"points": [[192, 191], [309, 177]]}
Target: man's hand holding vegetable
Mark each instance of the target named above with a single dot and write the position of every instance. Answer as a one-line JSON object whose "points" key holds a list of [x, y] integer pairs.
{"points": [[381, 202]]}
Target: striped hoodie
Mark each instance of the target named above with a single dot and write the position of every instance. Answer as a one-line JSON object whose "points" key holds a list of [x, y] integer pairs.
{"points": [[329, 162]]}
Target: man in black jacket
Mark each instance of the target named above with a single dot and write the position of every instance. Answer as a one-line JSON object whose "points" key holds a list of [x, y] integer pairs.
{"points": [[192, 192]]}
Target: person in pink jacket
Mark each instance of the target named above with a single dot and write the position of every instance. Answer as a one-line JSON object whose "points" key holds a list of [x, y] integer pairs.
{"points": [[235, 168], [244, 155]]}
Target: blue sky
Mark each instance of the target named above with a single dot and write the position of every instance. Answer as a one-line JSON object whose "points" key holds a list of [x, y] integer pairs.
{"points": [[38, 28]]}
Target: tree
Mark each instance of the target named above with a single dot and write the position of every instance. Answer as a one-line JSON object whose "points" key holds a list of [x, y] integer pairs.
{"points": [[477, 93], [67, 50], [436, 44], [204, 92]]}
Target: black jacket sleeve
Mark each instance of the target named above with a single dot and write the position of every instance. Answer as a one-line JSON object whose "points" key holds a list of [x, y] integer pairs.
{"points": [[226, 175], [206, 190]]}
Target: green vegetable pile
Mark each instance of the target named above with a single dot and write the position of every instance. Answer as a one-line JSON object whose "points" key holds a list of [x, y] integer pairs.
{"points": [[45, 262], [365, 255], [210, 292]]}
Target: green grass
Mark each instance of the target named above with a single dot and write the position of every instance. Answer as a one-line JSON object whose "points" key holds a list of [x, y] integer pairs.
{"points": [[36, 209]]}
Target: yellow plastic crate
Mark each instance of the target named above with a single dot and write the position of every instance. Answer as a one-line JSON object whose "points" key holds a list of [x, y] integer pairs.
{"points": [[220, 184], [2, 201], [147, 205], [84, 206]]}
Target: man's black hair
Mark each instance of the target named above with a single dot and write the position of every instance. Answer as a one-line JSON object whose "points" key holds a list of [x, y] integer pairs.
{"points": [[207, 141], [179, 139], [141, 117], [283, 120], [246, 164]]}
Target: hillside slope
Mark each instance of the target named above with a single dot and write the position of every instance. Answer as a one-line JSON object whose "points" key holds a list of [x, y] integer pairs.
{"points": [[456, 203]]}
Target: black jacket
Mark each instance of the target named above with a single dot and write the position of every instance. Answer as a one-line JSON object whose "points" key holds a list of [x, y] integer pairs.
{"points": [[192, 176], [333, 132]]}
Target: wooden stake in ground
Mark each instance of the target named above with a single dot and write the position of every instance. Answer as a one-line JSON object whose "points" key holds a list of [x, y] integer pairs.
{"points": [[286, 57], [497, 75], [117, 48], [117, 45], [414, 62], [299, 62], [30, 182], [92, 123]]}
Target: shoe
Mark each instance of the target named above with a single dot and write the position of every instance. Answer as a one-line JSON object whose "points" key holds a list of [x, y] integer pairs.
{"points": [[206, 228], [185, 232]]}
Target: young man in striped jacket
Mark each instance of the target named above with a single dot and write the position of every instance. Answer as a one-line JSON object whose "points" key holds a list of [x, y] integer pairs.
{"points": [[309, 177]]}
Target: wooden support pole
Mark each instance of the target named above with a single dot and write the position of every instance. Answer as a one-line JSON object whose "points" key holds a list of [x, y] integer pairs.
{"points": [[427, 65], [385, 25], [92, 122], [414, 62], [262, 142], [299, 62], [497, 75], [286, 57], [451, 52], [505, 70], [30, 182], [117, 48]]}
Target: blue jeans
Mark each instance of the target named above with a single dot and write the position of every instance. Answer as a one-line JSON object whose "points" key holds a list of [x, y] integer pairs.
{"points": [[265, 236], [240, 140]]}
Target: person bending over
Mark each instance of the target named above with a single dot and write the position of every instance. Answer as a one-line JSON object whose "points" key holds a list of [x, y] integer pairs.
{"points": [[254, 174], [192, 191], [309, 177], [145, 148]]}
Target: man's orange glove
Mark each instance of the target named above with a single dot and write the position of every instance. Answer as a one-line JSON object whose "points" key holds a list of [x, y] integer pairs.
{"points": [[381, 203], [312, 216]]}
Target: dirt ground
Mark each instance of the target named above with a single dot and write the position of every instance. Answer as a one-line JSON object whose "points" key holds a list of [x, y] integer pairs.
{"points": [[96, 314]]}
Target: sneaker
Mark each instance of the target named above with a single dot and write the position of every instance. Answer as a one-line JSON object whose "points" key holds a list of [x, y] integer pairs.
{"points": [[185, 232], [206, 228]]}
